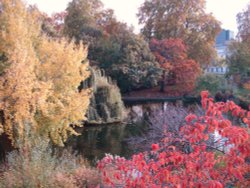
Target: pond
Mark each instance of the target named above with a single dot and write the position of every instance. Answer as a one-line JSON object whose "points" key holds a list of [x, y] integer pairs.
{"points": [[123, 139], [127, 139], [95, 141]]}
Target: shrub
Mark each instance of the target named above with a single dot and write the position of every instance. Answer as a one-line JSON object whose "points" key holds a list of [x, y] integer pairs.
{"points": [[106, 105], [171, 118], [187, 159], [211, 82], [35, 164]]}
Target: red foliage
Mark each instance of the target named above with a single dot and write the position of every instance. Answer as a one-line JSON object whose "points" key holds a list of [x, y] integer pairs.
{"points": [[169, 50], [155, 147], [189, 159], [172, 55]]}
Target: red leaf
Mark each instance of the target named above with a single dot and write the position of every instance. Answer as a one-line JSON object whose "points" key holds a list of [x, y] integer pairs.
{"points": [[155, 147], [190, 118]]}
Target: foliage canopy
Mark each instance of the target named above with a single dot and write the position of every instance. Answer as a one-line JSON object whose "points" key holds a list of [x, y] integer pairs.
{"points": [[39, 86], [187, 20], [239, 51], [172, 56]]}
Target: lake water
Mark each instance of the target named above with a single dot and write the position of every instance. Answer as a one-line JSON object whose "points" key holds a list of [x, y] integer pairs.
{"points": [[95, 141]]}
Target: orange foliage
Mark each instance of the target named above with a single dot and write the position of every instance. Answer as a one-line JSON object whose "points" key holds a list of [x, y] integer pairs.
{"points": [[247, 85]]}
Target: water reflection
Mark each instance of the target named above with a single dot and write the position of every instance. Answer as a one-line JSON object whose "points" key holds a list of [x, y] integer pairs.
{"points": [[95, 141]]}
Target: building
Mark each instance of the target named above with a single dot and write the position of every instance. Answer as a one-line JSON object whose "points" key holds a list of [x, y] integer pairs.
{"points": [[221, 44], [224, 36], [219, 70]]}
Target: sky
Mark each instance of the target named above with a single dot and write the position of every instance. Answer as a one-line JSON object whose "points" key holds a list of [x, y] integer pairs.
{"points": [[125, 10]]}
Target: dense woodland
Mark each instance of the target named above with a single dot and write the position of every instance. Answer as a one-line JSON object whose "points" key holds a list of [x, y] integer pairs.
{"points": [[60, 72]]}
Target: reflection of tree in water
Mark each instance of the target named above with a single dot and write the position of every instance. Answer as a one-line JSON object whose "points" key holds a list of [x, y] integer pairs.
{"points": [[125, 140], [95, 141]]}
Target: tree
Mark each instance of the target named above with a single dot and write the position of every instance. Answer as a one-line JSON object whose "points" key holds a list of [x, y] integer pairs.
{"points": [[106, 105], [187, 20], [135, 67], [239, 51], [211, 82], [112, 45], [243, 20], [239, 59], [172, 56], [53, 25], [81, 20], [39, 87], [187, 159], [89, 19]]}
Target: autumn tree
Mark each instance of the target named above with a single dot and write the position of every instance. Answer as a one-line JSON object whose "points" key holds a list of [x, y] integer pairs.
{"points": [[187, 159], [243, 20], [38, 89], [53, 25], [89, 19], [172, 56], [239, 51], [112, 45], [187, 20]]}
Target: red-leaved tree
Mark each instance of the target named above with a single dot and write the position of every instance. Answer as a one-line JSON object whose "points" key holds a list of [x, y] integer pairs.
{"points": [[172, 56], [188, 159]]}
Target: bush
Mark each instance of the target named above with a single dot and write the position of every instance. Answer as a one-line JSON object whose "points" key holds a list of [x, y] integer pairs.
{"points": [[211, 82], [35, 164], [186, 159], [171, 118]]}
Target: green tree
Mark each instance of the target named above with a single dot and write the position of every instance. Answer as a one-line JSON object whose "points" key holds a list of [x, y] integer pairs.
{"points": [[239, 58], [82, 18], [112, 45], [210, 82], [184, 19], [131, 63]]}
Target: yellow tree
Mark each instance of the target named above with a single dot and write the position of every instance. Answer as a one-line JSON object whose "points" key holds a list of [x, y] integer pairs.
{"points": [[39, 87]]}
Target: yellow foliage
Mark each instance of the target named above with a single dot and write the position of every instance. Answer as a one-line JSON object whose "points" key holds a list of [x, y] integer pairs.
{"points": [[39, 87]]}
